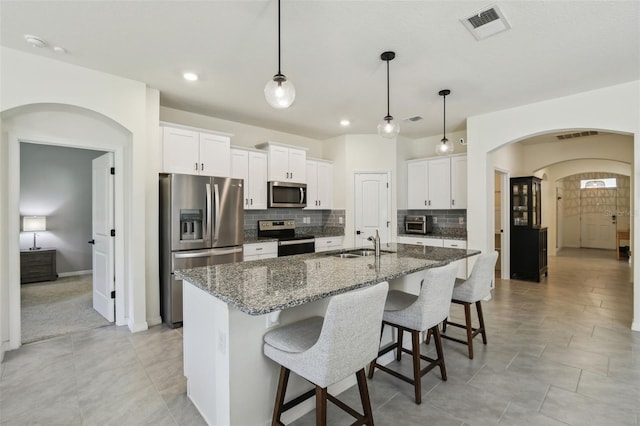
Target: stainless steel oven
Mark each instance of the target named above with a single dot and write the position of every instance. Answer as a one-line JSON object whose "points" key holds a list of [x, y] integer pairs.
{"points": [[289, 243], [418, 224]]}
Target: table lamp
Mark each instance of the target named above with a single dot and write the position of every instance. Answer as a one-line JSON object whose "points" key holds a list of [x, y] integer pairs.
{"points": [[34, 224]]}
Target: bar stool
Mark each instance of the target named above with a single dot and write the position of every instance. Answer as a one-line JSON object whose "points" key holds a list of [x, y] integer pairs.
{"points": [[415, 314], [325, 351], [473, 290]]}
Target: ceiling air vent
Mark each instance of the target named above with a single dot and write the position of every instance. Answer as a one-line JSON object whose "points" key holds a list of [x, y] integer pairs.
{"points": [[486, 22], [576, 135], [412, 119]]}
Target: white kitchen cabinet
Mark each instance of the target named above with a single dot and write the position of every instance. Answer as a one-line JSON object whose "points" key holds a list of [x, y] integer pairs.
{"points": [[192, 152], [459, 182], [251, 166], [285, 163], [438, 183], [329, 243], [258, 251], [440, 242], [319, 185]]}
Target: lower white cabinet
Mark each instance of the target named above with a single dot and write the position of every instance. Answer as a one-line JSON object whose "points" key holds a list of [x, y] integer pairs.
{"points": [[440, 242], [258, 251], [329, 243]]}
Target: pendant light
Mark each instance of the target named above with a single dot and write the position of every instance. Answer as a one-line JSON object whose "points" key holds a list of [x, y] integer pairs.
{"points": [[279, 91], [387, 128], [445, 147]]}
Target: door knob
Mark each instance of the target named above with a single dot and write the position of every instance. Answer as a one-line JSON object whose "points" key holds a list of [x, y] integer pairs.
{"points": [[91, 241]]}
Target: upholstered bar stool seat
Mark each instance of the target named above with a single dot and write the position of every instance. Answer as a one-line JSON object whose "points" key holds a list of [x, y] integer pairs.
{"points": [[415, 314], [472, 291], [327, 350]]}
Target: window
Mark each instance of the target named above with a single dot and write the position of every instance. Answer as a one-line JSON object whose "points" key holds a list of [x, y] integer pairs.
{"points": [[598, 183]]}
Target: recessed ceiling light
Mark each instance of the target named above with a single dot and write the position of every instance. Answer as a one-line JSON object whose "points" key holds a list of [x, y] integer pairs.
{"points": [[35, 41], [345, 123], [59, 49], [190, 76]]}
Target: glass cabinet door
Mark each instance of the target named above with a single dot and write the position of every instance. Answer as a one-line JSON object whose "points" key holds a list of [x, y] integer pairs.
{"points": [[526, 202]]}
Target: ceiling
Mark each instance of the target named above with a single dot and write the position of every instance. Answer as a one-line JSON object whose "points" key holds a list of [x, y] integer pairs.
{"points": [[331, 52]]}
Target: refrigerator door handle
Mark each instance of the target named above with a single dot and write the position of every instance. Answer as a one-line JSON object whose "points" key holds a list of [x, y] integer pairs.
{"points": [[216, 225], [208, 253], [207, 211]]}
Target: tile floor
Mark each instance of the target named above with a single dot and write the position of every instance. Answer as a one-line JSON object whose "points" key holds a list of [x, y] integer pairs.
{"points": [[559, 353]]}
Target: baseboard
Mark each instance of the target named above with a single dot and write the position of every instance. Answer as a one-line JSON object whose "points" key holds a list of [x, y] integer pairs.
{"points": [[74, 273], [635, 326], [139, 326], [154, 321]]}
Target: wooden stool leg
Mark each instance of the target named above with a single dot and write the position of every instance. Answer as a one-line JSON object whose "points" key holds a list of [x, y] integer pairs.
{"points": [[467, 317], [417, 378], [399, 348], [364, 397], [321, 406], [372, 366], [282, 389], [481, 320], [438, 341], [444, 324]]}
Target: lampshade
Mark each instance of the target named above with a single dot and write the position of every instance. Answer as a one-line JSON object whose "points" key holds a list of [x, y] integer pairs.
{"points": [[388, 128], [34, 223], [279, 92], [445, 147]]}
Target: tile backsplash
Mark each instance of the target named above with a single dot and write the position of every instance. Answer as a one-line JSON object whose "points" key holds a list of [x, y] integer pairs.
{"points": [[303, 218], [442, 219]]}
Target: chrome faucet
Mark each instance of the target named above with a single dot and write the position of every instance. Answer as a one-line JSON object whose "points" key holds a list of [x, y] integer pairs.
{"points": [[376, 243]]}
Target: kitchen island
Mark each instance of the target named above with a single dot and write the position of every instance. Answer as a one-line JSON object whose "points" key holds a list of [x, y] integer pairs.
{"points": [[228, 308]]}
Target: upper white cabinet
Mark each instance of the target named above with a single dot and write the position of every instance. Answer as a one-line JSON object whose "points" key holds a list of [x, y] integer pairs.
{"points": [[319, 184], [251, 166], [193, 152], [459, 182], [438, 183], [285, 163]]}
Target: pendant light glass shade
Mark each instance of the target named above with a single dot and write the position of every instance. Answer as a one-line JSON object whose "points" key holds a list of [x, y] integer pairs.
{"points": [[445, 147], [387, 127], [279, 92]]}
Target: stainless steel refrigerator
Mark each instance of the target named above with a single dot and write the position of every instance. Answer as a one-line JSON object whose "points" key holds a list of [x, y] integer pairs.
{"points": [[201, 224]]}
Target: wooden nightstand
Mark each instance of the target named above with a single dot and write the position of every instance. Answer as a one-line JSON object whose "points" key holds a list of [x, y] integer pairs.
{"points": [[37, 265]]}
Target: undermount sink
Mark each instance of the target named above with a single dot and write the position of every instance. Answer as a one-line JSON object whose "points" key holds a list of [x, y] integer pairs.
{"points": [[350, 254]]}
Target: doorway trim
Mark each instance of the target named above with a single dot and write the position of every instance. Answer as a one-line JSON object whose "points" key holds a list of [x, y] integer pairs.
{"points": [[13, 231], [505, 237]]}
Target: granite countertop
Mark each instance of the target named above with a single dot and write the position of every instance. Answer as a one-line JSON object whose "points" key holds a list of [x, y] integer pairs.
{"points": [[262, 286], [446, 235]]}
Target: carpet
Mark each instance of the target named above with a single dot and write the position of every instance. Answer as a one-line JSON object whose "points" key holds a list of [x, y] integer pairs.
{"points": [[54, 308]]}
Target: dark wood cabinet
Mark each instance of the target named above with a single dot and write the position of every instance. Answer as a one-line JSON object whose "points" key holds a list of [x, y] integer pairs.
{"points": [[528, 237], [38, 265]]}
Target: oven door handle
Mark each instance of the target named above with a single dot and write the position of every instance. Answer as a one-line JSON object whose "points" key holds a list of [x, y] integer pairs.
{"points": [[292, 242]]}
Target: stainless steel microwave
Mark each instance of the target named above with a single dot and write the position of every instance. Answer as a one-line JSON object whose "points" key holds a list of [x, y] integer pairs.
{"points": [[287, 194], [418, 224]]}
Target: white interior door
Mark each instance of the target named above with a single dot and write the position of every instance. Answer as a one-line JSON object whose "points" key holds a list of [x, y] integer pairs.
{"points": [[597, 218], [103, 243], [372, 210]]}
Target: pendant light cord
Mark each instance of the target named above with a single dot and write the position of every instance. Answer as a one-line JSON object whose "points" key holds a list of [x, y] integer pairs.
{"points": [[444, 117], [388, 109], [279, 72]]}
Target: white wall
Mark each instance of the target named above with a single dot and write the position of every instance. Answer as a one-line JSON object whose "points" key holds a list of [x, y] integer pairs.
{"points": [[360, 153], [33, 80], [615, 109]]}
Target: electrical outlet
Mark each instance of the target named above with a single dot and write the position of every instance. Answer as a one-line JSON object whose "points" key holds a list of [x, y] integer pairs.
{"points": [[222, 342], [340, 220], [461, 220], [435, 219]]}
